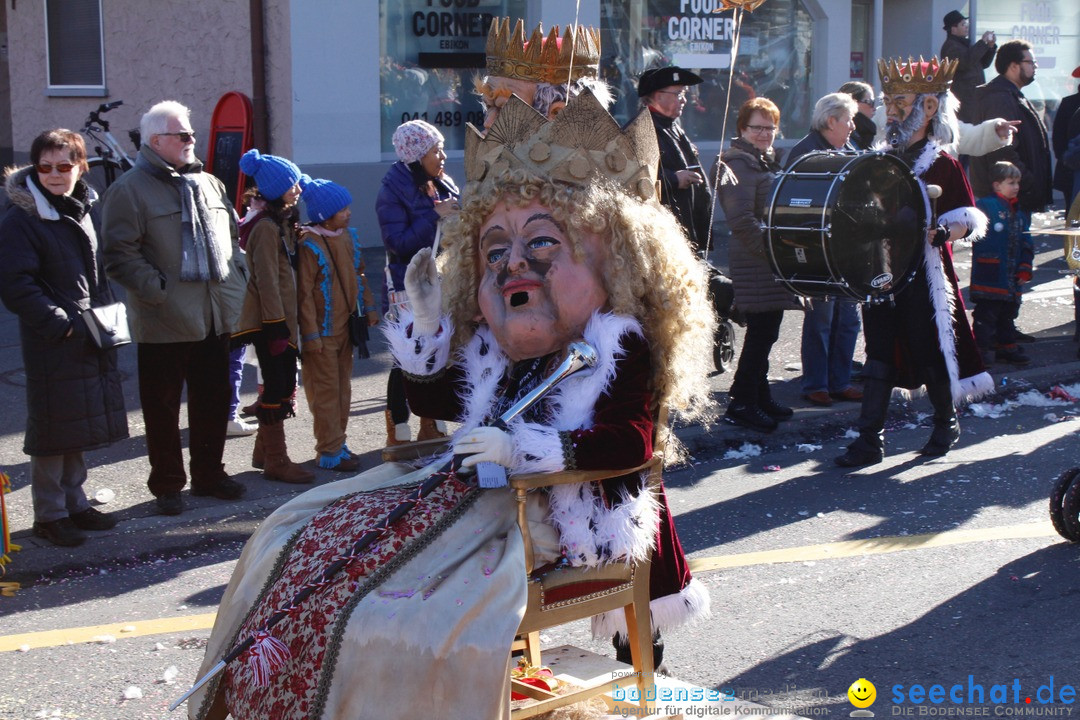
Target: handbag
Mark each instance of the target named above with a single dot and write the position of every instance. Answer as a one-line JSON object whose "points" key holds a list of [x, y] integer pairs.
{"points": [[108, 325]]}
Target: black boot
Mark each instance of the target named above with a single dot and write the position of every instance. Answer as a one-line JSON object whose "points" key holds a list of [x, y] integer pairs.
{"points": [[769, 406], [869, 447], [946, 426], [749, 416], [622, 650]]}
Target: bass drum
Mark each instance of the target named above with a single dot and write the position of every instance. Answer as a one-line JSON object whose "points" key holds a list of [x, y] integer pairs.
{"points": [[847, 226]]}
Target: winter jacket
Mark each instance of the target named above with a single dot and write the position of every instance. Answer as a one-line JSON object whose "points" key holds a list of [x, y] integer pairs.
{"points": [[270, 303], [745, 205], [1063, 175], [865, 130], [142, 240], [691, 206], [973, 58], [408, 219], [1030, 150], [329, 278], [1005, 251], [51, 270], [813, 142]]}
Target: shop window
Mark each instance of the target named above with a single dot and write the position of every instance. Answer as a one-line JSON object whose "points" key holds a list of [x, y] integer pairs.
{"points": [[74, 47], [773, 58], [431, 51]]}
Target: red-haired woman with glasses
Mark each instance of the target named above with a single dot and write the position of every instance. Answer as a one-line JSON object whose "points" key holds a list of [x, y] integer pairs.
{"points": [[754, 162], [50, 271]]}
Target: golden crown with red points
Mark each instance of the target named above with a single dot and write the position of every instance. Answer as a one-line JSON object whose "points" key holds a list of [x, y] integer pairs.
{"points": [[554, 59], [931, 76]]}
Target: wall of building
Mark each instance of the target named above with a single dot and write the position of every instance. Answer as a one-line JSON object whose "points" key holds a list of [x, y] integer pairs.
{"points": [[151, 54], [832, 44], [335, 71], [280, 82], [913, 28]]}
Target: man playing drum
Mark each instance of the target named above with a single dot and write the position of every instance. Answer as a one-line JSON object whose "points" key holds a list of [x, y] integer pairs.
{"points": [[902, 348]]}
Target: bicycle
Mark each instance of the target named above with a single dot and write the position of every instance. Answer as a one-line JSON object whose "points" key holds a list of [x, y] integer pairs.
{"points": [[111, 160]]}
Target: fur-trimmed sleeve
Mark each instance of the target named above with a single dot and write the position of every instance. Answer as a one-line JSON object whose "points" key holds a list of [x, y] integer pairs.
{"points": [[423, 355], [980, 139]]}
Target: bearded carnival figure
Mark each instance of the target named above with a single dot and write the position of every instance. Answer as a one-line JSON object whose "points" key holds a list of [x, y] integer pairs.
{"points": [[924, 337], [560, 237], [544, 72]]}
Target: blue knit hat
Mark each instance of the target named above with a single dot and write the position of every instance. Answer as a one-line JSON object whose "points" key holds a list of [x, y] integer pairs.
{"points": [[273, 175], [323, 198]]}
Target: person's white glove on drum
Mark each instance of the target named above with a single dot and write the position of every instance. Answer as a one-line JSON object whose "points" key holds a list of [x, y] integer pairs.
{"points": [[425, 293], [486, 444]]}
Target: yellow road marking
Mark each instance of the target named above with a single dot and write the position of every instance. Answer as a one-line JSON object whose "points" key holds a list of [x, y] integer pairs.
{"points": [[76, 635], [826, 551], [872, 546]]}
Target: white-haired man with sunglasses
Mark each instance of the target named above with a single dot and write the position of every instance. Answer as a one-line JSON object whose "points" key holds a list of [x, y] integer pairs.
{"points": [[170, 238]]}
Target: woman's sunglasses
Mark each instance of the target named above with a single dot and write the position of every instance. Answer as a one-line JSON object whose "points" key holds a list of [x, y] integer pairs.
{"points": [[62, 168]]}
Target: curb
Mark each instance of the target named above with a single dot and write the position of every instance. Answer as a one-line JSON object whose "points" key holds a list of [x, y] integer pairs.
{"points": [[209, 523]]}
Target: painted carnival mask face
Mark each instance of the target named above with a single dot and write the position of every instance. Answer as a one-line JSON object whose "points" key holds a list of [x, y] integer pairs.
{"points": [[534, 294]]}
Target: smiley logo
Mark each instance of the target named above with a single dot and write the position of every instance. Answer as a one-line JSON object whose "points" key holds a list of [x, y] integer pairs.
{"points": [[862, 693]]}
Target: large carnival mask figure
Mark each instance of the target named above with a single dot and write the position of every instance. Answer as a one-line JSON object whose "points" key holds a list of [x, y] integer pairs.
{"points": [[543, 71], [538, 286], [915, 95]]}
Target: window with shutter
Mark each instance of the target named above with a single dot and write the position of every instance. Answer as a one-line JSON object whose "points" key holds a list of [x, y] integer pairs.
{"points": [[74, 48]]}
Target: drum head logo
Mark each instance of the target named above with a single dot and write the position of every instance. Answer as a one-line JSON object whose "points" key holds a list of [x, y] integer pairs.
{"points": [[881, 281], [800, 254], [799, 202]]}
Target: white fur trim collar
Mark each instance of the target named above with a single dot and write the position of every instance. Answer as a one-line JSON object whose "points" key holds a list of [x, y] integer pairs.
{"points": [[590, 532]]}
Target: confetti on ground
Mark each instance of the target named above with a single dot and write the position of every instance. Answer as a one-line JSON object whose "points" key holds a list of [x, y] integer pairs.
{"points": [[807, 447], [131, 692], [748, 450], [772, 468]]}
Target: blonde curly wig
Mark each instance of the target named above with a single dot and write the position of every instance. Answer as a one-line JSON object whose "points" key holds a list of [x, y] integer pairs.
{"points": [[652, 275]]}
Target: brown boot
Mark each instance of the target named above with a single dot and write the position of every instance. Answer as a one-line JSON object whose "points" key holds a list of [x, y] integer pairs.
{"points": [[249, 410], [258, 453], [430, 430], [277, 465], [396, 434]]}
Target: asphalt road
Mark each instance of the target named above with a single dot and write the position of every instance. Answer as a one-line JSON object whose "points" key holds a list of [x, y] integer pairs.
{"points": [[911, 572], [994, 605]]}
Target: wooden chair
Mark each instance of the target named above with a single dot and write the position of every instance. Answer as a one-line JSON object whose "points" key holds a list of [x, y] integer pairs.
{"points": [[558, 595]]}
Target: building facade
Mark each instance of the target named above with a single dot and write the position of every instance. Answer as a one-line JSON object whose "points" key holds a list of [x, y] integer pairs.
{"points": [[332, 79]]}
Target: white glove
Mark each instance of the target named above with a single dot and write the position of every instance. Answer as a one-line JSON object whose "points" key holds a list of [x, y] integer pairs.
{"points": [[425, 293], [486, 444]]}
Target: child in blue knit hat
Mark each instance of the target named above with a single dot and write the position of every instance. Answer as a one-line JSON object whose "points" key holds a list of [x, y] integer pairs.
{"points": [[331, 286], [269, 319]]}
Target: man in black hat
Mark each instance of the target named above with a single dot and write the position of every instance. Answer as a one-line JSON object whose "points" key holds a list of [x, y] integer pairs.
{"points": [[684, 188], [973, 60]]}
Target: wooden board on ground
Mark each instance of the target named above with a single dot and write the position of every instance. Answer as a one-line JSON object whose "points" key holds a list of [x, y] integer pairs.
{"points": [[576, 666]]}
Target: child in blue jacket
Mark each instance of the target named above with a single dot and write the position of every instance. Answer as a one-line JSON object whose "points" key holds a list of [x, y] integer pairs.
{"points": [[1000, 265]]}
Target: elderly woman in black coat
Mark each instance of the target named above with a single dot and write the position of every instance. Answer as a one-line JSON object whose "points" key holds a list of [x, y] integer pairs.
{"points": [[50, 271]]}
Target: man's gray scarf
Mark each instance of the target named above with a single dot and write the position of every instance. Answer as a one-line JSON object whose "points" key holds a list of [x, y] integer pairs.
{"points": [[203, 254]]}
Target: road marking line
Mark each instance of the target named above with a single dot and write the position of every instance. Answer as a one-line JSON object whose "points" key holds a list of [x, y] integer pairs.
{"points": [[826, 551], [77, 635], [872, 546]]}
